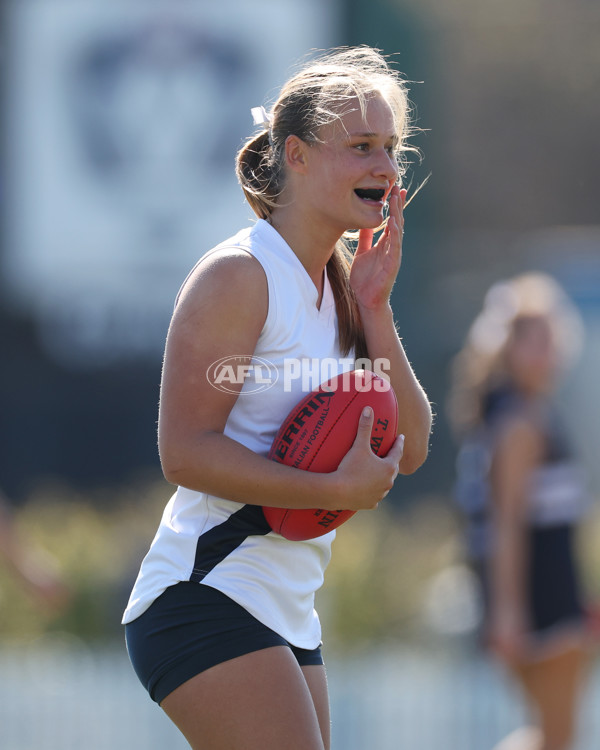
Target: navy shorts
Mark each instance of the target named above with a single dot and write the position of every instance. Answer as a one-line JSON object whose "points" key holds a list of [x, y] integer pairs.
{"points": [[554, 585], [191, 627], [552, 582]]}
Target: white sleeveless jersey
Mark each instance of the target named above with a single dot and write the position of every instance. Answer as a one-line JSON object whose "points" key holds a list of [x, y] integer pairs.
{"points": [[228, 545]]}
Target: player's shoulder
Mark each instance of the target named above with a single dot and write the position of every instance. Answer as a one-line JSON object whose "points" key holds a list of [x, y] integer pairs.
{"points": [[229, 272], [231, 262]]}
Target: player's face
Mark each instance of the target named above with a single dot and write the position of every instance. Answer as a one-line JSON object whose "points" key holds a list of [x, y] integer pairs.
{"points": [[354, 167], [532, 354]]}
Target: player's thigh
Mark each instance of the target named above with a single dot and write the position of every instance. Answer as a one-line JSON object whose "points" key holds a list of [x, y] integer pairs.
{"points": [[316, 679], [259, 701]]}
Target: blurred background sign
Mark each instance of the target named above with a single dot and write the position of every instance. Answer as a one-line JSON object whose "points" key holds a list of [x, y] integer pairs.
{"points": [[123, 120]]}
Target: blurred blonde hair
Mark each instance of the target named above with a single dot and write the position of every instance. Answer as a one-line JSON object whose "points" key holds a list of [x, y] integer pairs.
{"points": [[320, 93], [480, 364]]}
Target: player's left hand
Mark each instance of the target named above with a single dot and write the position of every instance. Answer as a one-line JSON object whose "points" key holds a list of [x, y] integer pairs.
{"points": [[375, 267]]}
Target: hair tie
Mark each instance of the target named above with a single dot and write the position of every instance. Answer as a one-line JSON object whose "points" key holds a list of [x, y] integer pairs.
{"points": [[260, 116]]}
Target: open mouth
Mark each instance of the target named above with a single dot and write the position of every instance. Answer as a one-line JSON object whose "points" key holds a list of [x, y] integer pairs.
{"points": [[370, 194]]}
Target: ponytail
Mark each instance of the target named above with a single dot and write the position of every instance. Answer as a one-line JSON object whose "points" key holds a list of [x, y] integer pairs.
{"points": [[258, 174]]}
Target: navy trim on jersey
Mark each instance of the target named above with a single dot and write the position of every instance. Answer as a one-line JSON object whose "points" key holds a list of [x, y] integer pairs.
{"points": [[214, 546]]}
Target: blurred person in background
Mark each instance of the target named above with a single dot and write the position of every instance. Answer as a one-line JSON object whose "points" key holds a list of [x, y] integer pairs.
{"points": [[34, 568], [523, 495], [221, 627]]}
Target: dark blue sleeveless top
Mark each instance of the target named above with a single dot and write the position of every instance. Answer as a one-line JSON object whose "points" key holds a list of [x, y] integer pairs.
{"points": [[556, 493]]}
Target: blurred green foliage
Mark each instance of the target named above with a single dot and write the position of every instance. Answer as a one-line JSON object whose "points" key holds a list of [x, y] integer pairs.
{"points": [[377, 586], [96, 542]]}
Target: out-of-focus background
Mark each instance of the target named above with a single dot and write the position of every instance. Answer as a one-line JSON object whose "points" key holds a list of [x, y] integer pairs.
{"points": [[119, 122]]}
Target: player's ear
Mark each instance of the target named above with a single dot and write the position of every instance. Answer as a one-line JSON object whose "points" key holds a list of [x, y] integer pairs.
{"points": [[296, 154]]}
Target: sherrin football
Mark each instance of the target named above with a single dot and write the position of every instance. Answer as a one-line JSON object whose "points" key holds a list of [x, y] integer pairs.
{"points": [[318, 433]]}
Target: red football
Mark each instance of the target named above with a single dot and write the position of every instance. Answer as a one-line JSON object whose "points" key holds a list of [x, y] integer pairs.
{"points": [[318, 433]]}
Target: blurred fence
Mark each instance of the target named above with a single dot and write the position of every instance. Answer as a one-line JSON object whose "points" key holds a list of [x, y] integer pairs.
{"points": [[65, 696]]}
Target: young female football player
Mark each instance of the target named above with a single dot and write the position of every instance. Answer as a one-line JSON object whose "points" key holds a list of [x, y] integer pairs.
{"points": [[221, 626], [521, 488]]}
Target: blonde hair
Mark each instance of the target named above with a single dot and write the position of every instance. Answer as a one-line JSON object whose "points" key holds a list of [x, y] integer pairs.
{"points": [[318, 94], [480, 365]]}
